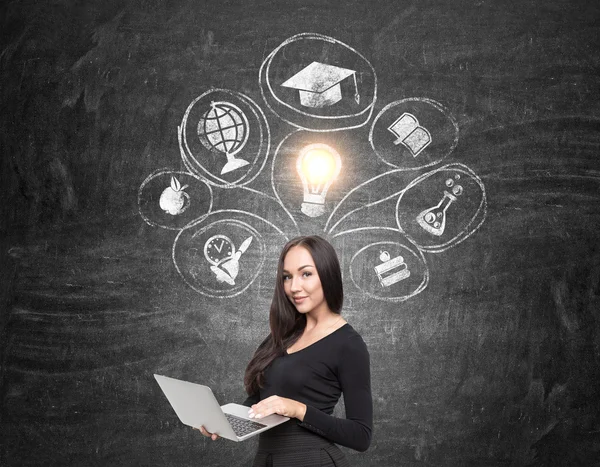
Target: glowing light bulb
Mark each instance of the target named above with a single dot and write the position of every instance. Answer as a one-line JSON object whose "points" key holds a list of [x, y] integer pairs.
{"points": [[318, 166]]}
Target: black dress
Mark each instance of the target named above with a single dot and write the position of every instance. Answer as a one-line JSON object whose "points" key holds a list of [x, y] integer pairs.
{"points": [[317, 376]]}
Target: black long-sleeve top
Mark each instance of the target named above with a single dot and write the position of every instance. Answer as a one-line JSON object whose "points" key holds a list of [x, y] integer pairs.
{"points": [[316, 376]]}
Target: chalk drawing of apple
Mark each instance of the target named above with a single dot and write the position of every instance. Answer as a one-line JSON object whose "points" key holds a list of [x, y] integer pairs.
{"points": [[173, 199]]}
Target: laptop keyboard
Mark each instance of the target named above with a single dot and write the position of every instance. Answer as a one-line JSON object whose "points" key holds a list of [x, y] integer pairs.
{"points": [[241, 426]]}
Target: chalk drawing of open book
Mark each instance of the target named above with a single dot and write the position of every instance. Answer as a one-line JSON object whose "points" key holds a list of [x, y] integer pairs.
{"points": [[410, 134]]}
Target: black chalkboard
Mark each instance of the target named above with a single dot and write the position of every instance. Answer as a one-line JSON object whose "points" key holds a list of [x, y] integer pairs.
{"points": [[143, 146]]}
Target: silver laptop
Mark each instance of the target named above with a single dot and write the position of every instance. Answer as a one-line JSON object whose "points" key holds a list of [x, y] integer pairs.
{"points": [[196, 406]]}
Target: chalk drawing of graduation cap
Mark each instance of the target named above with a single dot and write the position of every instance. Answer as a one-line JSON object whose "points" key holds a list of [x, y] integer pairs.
{"points": [[319, 84]]}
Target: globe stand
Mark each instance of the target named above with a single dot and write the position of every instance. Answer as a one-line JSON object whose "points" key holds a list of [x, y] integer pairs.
{"points": [[232, 164]]}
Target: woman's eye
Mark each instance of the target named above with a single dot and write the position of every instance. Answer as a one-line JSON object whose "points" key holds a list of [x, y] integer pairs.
{"points": [[285, 278], [307, 274]]}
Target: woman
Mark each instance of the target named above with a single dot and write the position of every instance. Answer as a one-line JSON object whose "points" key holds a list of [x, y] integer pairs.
{"points": [[310, 358]]}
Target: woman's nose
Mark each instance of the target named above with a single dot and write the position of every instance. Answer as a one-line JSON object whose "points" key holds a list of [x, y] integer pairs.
{"points": [[295, 287]]}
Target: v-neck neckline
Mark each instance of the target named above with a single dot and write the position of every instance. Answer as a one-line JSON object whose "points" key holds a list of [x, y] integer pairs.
{"points": [[317, 341]]}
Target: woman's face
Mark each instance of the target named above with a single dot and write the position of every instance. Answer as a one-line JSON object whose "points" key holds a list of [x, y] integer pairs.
{"points": [[301, 281]]}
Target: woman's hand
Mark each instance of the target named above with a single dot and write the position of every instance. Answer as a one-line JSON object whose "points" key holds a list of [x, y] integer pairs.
{"points": [[213, 436], [279, 405]]}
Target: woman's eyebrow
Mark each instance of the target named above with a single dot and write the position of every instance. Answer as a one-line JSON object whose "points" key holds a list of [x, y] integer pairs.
{"points": [[301, 267]]}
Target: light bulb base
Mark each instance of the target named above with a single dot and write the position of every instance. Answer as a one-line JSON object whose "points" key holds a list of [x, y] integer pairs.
{"points": [[313, 209]]}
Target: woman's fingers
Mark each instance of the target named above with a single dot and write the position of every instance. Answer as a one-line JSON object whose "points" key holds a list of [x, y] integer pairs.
{"points": [[213, 436], [269, 406], [259, 410]]}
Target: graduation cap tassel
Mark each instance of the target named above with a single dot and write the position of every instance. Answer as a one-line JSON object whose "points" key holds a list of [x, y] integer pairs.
{"points": [[356, 95]]}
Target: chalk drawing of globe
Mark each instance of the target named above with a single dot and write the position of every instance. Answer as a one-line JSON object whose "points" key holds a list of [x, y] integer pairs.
{"points": [[224, 128]]}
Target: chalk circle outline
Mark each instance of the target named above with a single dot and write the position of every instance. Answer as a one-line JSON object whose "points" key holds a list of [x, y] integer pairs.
{"points": [[193, 164], [273, 163], [264, 73], [443, 110], [236, 290], [161, 172], [417, 253], [218, 293], [478, 218]]}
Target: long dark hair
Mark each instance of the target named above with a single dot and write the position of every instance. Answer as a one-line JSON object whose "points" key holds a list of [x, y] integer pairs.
{"points": [[285, 322]]}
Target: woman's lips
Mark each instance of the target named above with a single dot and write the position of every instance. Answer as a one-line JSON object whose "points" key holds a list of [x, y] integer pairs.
{"points": [[299, 300]]}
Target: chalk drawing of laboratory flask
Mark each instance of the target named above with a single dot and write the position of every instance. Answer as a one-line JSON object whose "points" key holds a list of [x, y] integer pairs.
{"points": [[433, 220], [224, 128], [391, 270], [220, 252]]}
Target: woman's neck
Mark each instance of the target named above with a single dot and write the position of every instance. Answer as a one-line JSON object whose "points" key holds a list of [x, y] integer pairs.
{"points": [[321, 320]]}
